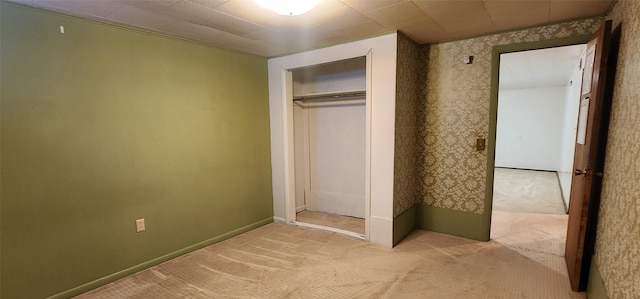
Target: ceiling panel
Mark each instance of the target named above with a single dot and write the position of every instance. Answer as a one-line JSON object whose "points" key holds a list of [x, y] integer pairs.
{"points": [[338, 18], [550, 67], [93, 8], [243, 25], [505, 8], [207, 3], [202, 15], [393, 15], [139, 17], [521, 19], [560, 10], [368, 5], [153, 5], [439, 9], [459, 25]]}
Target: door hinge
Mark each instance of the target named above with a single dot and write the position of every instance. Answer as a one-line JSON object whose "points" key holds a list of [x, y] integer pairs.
{"points": [[588, 172], [585, 172]]}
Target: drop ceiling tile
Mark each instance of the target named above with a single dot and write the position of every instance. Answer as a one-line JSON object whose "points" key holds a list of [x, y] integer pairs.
{"points": [[207, 35], [201, 15], [326, 5], [237, 23], [471, 32], [504, 8], [427, 36], [25, 2], [99, 8], [477, 22], [424, 23], [189, 30], [399, 13], [231, 41], [139, 18], [330, 14], [425, 32], [268, 36], [551, 67], [249, 10], [317, 36], [266, 50], [336, 19], [209, 3], [439, 9], [332, 37], [369, 5], [243, 9], [361, 30], [153, 5], [521, 19], [55, 5], [566, 10]]}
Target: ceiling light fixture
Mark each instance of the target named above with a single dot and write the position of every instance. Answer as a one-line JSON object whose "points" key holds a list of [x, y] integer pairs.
{"points": [[288, 7]]}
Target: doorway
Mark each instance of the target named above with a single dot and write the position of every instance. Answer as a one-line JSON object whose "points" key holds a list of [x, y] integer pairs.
{"points": [[537, 112], [538, 101]]}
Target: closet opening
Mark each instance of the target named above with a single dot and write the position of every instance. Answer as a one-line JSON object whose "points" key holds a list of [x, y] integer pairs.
{"points": [[329, 143]]}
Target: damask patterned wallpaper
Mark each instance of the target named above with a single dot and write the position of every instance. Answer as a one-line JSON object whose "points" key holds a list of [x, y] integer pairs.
{"points": [[457, 112], [406, 181], [618, 237]]}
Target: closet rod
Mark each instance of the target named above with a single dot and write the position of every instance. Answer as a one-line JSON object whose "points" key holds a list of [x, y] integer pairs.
{"points": [[331, 95]]}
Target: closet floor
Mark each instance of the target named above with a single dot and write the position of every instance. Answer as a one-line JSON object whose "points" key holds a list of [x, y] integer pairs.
{"points": [[351, 224]]}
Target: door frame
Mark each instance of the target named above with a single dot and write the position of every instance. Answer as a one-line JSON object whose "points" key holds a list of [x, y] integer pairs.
{"points": [[493, 110], [290, 182]]}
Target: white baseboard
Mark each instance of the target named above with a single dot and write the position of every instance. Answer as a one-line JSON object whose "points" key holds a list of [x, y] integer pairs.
{"points": [[301, 208], [381, 231]]}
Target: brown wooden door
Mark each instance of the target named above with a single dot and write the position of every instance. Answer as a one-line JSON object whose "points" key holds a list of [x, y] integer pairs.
{"points": [[585, 187]]}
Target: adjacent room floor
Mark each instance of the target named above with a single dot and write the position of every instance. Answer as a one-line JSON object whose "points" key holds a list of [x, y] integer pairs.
{"points": [[530, 191]]}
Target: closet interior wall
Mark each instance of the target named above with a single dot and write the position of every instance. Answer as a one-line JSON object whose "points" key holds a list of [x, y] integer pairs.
{"points": [[329, 138]]}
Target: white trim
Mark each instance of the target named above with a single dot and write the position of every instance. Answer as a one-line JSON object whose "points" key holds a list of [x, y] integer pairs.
{"points": [[367, 151], [381, 229], [290, 158], [381, 55], [279, 220], [290, 183]]}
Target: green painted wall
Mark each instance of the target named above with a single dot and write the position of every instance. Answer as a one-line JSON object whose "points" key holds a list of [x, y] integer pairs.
{"points": [[102, 125], [404, 224], [462, 224]]}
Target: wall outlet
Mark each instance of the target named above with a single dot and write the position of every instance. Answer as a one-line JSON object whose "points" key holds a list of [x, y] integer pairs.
{"points": [[140, 225]]}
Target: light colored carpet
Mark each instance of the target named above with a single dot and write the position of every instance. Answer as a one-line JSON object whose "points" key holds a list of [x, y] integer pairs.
{"points": [[278, 261], [528, 191], [352, 224]]}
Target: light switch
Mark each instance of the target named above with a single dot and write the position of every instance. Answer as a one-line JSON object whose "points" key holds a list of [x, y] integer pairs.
{"points": [[480, 144], [468, 59]]}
